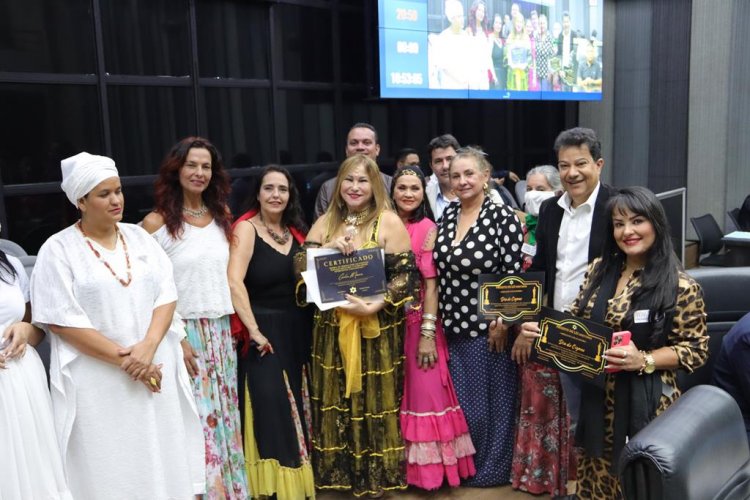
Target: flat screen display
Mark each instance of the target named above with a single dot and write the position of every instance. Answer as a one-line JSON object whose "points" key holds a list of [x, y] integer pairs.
{"points": [[675, 203], [491, 49]]}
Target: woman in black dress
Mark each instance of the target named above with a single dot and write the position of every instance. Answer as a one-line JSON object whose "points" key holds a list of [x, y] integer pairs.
{"points": [[273, 376]]}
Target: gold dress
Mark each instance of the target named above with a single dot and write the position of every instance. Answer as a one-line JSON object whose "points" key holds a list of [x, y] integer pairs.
{"points": [[357, 444]]}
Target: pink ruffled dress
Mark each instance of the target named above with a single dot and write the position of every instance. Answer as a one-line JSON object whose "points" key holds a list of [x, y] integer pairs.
{"points": [[438, 445]]}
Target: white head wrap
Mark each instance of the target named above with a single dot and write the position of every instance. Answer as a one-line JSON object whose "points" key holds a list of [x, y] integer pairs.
{"points": [[83, 172]]}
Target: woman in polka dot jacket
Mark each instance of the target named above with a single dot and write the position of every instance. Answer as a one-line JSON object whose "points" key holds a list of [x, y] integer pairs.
{"points": [[476, 237]]}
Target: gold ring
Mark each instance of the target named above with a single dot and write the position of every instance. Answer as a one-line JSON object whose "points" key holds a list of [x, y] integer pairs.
{"points": [[152, 381]]}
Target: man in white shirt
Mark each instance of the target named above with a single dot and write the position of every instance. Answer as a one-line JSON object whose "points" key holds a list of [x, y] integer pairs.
{"points": [[572, 229], [361, 139], [440, 151]]}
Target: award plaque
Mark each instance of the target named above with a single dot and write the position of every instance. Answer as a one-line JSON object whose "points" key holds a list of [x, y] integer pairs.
{"points": [[571, 344], [361, 273], [513, 297]]}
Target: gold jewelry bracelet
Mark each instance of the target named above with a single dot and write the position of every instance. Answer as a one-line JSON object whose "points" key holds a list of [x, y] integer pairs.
{"points": [[643, 362]]}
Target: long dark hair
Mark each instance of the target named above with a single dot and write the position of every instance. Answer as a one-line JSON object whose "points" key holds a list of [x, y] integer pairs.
{"points": [[7, 271], [292, 215], [657, 290], [168, 191], [423, 210], [473, 17]]}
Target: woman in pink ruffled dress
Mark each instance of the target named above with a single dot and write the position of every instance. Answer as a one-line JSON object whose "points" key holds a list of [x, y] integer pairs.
{"points": [[438, 445]]}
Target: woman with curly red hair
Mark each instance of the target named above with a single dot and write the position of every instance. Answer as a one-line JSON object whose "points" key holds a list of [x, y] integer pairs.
{"points": [[192, 223]]}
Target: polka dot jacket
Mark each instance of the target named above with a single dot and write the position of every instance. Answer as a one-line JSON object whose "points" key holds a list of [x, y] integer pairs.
{"points": [[492, 245]]}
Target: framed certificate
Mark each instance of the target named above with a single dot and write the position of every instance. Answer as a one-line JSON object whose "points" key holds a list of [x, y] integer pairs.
{"points": [[361, 273], [513, 297], [571, 344]]}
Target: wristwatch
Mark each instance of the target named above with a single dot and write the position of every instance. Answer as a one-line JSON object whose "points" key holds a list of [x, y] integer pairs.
{"points": [[650, 364]]}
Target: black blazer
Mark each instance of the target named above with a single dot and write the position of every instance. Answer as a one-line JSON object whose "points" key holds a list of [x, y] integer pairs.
{"points": [[548, 233]]}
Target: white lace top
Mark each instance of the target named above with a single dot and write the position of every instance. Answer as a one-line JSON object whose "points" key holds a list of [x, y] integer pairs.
{"points": [[200, 258]]}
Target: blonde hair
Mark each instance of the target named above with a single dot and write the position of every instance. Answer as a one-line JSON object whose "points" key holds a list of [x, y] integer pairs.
{"points": [[479, 157], [379, 201], [516, 35]]}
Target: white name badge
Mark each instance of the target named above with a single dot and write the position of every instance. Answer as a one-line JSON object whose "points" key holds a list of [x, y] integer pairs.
{"points": [[528, 249], [641, 316]]}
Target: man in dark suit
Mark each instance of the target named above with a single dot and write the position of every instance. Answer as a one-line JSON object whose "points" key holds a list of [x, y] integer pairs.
{"points": [[571, 230], [361, 139]]}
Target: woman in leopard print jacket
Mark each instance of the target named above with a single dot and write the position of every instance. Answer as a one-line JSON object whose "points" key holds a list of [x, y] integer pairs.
{"points": [[639, 286]]}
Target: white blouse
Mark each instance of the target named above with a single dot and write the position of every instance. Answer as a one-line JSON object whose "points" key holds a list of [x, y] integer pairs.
{"points": [[200, 257]]}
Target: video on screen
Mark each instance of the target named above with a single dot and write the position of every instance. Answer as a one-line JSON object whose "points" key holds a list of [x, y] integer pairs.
{"points": [[491, 49]]}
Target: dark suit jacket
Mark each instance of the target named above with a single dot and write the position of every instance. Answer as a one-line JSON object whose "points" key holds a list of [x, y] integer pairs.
{"points": [[548, 233]]}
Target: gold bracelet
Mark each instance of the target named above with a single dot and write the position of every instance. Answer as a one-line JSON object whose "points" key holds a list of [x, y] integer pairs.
{"points": [[430, 328]]}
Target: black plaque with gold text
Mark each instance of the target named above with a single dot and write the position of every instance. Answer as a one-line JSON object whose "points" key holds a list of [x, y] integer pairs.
{"points": [[571, 344], [361, 273], [513, 297]]}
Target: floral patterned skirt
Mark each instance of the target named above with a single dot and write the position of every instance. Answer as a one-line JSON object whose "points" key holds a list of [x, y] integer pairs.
{"points": [[543, 456], [215, 392]]}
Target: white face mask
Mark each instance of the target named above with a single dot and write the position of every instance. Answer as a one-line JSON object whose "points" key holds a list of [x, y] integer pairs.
{"points": [[534, 200]]}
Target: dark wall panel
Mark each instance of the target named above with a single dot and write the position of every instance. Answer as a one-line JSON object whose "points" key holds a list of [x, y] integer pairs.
{"points": [[632, 95], [670, 83]]}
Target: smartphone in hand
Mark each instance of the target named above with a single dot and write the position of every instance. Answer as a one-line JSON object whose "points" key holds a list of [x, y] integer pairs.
{"points": [[618, 339]]}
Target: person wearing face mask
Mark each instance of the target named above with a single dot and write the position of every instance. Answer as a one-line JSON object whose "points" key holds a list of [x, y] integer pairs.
{"points": [[542, 183], [541, 454]]}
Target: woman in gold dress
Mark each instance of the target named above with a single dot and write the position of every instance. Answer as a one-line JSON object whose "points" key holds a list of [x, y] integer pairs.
{"points": [[357, 351]]}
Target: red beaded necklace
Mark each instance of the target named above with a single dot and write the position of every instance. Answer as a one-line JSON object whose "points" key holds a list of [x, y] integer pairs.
{"points": [[106, 264]]}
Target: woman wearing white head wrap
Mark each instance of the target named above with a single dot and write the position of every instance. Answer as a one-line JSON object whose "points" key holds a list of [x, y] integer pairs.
{"points": [[124, 413]]}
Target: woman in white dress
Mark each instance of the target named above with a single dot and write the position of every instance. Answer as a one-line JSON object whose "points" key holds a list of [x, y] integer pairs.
{"points": [[124, 411], [30, 463], [191, 222]]}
